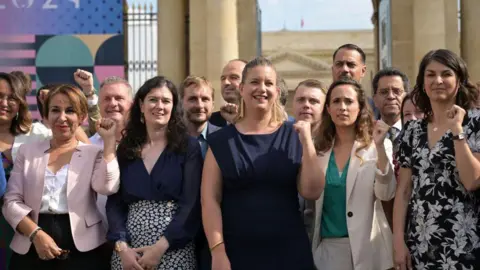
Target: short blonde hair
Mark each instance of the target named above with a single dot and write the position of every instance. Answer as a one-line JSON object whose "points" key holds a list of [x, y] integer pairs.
{"points": [[196, 81]]}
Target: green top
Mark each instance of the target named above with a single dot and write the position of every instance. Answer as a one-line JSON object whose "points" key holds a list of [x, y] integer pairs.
{"points": [[334, 212]]}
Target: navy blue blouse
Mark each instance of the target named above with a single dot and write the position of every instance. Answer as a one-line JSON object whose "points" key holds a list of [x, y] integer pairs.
{"points": [[174, 177]]}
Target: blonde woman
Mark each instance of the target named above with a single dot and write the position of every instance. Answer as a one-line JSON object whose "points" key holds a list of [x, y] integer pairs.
{"points": [[251, 180]]}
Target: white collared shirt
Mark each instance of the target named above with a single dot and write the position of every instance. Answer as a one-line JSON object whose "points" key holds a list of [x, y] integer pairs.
{"points": [[54, 198]]}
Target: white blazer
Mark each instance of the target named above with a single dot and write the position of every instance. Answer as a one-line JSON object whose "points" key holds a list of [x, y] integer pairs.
{"points": [[369, 233]]}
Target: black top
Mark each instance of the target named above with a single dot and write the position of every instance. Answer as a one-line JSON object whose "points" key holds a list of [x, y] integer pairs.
{"points": [[443, 221], [174, 177], [262, 225], [217, 119]]}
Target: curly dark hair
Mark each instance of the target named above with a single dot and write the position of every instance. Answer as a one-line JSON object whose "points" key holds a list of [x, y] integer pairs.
{"points": [[467, 95], [134, 136], [324, 136], [21, 123]]}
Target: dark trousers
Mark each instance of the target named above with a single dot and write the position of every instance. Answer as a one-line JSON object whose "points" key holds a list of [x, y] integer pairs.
{"points": [[58, 227]]}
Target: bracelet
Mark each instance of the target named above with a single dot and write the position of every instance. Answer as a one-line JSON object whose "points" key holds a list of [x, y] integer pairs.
{"points": [[33, 234], [90, 94], [216, 245]]}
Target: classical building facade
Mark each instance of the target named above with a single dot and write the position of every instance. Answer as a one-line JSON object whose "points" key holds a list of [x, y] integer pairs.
{"points": [[300, 55], [200, 36], [406, 30]]}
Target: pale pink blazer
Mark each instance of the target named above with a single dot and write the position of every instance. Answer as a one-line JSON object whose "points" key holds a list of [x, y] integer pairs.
{"points": [[88, 173]]}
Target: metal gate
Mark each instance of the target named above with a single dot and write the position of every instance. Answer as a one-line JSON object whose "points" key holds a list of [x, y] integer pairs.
{"points": [[140, 27]]}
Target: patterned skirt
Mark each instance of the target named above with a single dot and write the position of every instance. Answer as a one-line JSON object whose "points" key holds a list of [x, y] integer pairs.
{"points": [[146, 222]]}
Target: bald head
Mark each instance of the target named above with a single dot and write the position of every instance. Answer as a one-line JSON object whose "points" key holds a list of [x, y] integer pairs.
{"points": [[230, 80]]}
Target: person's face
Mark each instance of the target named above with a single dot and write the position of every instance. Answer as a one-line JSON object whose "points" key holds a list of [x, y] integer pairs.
{"points": [[9, 106], [62, 117], [198, 103], [157, 107], [343, 106], [410, 112], [308, 104], [389, 96], [348, 63], [230, 81], [440, 82], [115, 102], [259, 91]]}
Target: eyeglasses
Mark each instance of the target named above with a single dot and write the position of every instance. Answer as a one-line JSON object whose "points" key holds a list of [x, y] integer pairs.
{"points": [[63, 254], [386, 92]]}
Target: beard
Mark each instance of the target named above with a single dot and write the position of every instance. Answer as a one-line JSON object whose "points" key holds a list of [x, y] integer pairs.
{"points": [[191, 117]]}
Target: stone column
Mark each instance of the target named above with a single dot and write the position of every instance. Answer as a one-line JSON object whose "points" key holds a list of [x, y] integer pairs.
{"points": [[221, 39], [172, 53], [429, 28], [470, 37], [247, 29]]}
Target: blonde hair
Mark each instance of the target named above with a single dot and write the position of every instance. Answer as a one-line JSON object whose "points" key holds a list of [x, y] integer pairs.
{"points": [[196, 81], [278, 112]]}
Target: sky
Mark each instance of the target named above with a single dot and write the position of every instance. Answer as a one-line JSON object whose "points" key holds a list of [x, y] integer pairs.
{"points": [[316, 14]]}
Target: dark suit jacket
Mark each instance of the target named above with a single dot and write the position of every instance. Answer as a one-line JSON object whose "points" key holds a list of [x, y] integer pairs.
{"points": [[217, 119], [203, 252], [212, 128]]}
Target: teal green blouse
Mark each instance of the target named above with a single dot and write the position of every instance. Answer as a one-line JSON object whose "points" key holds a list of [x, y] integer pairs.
{"points": [[334, 217]]}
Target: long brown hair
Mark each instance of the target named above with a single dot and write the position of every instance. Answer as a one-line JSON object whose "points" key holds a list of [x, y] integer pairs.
{"points": [[324, 136], [467, 95]]}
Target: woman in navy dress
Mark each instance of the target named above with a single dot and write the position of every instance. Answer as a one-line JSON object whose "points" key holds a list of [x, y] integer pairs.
{"points": [[156, 214], [251, 180]]}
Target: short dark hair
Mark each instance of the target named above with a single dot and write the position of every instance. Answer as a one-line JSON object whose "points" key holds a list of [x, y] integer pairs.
{"points": [[387, 72], [353, 47]]}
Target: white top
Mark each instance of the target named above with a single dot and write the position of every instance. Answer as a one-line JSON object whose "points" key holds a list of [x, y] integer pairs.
{"points": [[96, 139], [38, 132], [54, 198]]}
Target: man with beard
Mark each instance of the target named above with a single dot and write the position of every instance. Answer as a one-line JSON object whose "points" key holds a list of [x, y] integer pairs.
{"points": [[349, 61], [197, 97], [230, 85]]}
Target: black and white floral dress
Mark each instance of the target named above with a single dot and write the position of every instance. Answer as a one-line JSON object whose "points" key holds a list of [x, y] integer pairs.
{"points": [[442, 227]]}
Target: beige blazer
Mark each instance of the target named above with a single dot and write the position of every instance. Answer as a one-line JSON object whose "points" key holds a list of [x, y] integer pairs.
{"points": [[88, 173], [370, 239]]}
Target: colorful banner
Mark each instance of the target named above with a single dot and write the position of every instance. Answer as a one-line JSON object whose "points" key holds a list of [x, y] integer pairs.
{"points": [[50, 39]]}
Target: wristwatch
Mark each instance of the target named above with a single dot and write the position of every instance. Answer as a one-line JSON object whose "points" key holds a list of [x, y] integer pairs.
{"points": [[459, 137], [120, 246]]}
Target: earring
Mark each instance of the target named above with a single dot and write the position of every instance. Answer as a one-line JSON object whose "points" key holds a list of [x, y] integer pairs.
{"points": [[16, 117], [142, 118]]}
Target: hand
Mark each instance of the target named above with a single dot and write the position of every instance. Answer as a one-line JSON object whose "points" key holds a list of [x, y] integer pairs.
{"points": [[455, 118], [220, 260], [45, 246], [229, 112], [85, 80], [129, 259], [304, 130], [401, 256], [151, 256], [380, 131], [106, 128]]}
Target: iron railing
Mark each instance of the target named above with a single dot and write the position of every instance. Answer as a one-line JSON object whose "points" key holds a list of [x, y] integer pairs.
{"points": [[141, 34]]}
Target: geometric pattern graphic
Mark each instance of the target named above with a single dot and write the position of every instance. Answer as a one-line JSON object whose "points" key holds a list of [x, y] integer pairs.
{"points": [[54, 59], [50, 40], [60, 17]]}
